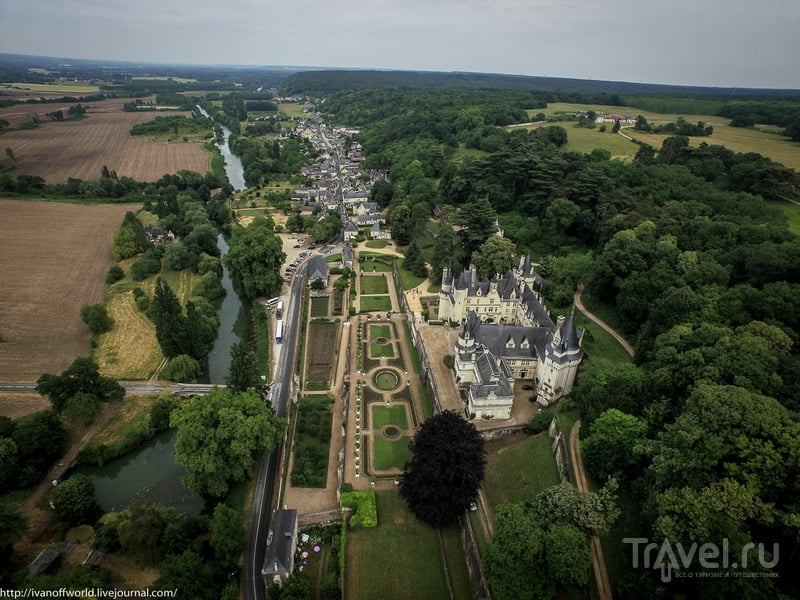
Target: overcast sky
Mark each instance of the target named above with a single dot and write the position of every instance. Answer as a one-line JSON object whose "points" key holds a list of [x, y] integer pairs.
{"points": [[745, 43]]}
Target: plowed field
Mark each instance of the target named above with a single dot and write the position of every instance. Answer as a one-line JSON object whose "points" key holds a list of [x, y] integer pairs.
{"points": [[53, 259], [57, 151]]}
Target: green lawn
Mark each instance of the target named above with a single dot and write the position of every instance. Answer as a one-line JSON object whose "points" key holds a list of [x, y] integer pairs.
{"points": [[599, 345], [376, 331], [407, 277], [456, 564], [400, 558], [378, 350], [374, 284], [392, 415], [375, 303], [519, 472], [792, 212], [376, 244], [391, 453], [375, 266]]}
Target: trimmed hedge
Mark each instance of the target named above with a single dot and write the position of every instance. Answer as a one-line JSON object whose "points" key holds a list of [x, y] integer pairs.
{"points": [[365, 507]]}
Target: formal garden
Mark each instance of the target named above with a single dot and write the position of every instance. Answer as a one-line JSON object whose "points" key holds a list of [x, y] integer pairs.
{"points": [[386, 416]]}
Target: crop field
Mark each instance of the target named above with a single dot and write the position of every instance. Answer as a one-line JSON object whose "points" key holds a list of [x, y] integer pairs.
{"points": [[56, 257], [319, 306], [321, 352], [57, 151]]}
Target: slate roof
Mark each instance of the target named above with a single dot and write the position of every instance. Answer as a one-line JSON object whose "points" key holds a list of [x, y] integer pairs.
{"points": [[317, 268], [278, 557], [508, 340]]}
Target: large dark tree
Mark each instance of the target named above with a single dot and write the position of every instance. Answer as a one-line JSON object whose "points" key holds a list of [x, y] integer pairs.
{"points": [[81, 376], [446, 469], [167, 314]]}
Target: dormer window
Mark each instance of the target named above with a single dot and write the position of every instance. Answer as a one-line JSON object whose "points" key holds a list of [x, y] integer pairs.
{"points": [[510, 343], [525, 343]]}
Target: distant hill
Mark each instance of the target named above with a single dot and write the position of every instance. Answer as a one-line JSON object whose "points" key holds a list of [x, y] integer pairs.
{"points": [[330, 80]]}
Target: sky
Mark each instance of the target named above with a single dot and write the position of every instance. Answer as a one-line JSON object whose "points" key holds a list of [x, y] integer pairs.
{"points": [[721, 43]]}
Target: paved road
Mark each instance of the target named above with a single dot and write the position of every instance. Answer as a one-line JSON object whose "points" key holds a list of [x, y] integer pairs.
{"points": [[268, 469]]}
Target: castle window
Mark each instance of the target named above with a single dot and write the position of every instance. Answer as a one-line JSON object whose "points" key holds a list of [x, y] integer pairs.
{"points": [[510, 343]]}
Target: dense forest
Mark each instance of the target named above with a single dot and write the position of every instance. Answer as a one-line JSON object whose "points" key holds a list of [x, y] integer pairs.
{"points": [[702, 431]]}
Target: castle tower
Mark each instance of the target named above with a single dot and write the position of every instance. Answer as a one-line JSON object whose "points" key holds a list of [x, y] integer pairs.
{"points": [[559, 365], [466, 347]]}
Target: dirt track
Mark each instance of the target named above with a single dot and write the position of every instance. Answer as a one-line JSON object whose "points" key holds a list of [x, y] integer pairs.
{"points": [[598, 559]]}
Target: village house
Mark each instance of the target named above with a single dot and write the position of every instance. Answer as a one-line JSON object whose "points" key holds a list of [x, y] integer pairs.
{"points": [[317, 269], [351, 231], [281, 546]]}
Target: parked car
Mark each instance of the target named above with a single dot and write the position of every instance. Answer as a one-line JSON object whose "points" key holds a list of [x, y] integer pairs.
{"points": [[473, 506]]}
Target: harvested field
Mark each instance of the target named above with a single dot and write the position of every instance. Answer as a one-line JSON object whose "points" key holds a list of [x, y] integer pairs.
{"points": [[130, 350], [18, 404], [53, 259], [57, 151]]}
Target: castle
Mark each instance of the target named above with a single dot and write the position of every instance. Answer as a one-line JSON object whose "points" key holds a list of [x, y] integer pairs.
{"points": [[507, 333]]}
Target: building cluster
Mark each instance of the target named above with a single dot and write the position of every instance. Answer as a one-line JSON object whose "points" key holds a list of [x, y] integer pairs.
{"points": [[338, 182]]}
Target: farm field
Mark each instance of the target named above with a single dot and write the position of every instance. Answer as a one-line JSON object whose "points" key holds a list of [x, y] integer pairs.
{"points": [[80, 149], [51, 268]]}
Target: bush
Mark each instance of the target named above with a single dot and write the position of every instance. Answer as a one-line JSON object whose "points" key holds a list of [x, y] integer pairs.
{"points": [[366, 510], [144, 267], [540, 422], [96, 318], [115, 273], [143, 302], [182, 368]]}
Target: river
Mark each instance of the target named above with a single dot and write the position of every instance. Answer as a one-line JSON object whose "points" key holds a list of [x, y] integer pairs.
{"points": [[150, 473], [234, 325], [233, 164]]}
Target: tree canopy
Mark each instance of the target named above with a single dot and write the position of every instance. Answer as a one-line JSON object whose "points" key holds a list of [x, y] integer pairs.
{"points": [[220, 437], [74, 499], [82, 376], [445, 471], [255, 258]]}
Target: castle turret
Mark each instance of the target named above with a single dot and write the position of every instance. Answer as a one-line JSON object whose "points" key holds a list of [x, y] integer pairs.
{"points": [[559, 365]]}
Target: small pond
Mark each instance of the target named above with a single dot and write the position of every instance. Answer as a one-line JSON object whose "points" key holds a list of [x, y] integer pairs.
{"points": [[149, 474]]}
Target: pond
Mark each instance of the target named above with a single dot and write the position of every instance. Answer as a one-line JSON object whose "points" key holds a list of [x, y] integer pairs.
{"points": [[149, 474]]}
